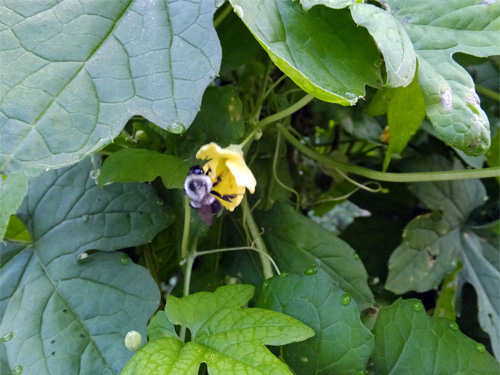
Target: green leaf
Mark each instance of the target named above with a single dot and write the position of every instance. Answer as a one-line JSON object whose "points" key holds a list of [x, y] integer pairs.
{"points": [[141, 165], [16, 231], [297, 242], [405, 113], [13, 189], [429, 251], [465, 26], [229, 339], [392, 40], [160, 327], [75, 73], [481, 269], [408, 341], [431, 243], [341, 344], [445, 304], [64, 304], [314, 48]]}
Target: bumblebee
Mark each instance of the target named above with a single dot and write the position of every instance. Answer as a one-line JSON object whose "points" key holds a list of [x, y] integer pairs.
{"points": [[199, 188]]}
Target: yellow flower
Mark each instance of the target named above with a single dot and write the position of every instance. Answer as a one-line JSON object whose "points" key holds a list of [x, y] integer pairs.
{"points": [[228, 172]]}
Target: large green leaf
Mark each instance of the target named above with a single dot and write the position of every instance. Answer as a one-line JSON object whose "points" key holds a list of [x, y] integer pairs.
{"points": [[67, 307], [341, 345], [314, 48], [408, 341], [433, 31], [229, 339], [12, 192], [439, 29], [434, 243], [297, 243], [74, 73], [481, 269]]}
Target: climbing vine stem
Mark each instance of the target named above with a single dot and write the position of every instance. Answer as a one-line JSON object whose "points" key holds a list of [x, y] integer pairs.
{"points": [[386, 176]]}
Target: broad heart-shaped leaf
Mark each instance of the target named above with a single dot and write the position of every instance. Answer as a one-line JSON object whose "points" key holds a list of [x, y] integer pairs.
{"points": [[481, 269], [73, 73], [229, 339], [439, 29], [341, 345], [408, 341], [297, 243], [432, 243], [13, 189], [433, 31], [141, 165], [322, 50], [67, 313]]}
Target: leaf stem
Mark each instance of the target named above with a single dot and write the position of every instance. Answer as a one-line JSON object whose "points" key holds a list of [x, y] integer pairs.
{"points": [[386, 176], [257, 239]]}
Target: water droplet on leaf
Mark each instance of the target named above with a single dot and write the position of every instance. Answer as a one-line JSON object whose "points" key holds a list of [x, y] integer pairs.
{"points": [[265, 284], [17, 370], [176, 128], [453, 326], [238, 10], [124, 259], [356, 256], [311, 270], [417, 306], [360, 372], [7, 337], [346, 299], [283, 275], [480, 347]]}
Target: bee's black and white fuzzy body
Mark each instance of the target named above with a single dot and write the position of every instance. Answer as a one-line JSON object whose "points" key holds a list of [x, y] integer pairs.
{"points": [[198, 187]]}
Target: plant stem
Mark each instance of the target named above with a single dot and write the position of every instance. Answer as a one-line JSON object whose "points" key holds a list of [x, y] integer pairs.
{"points": [[222, 15], [207, 252], [390, 177], [487, 92], [185, 233], [259, 242], [278, 116]]}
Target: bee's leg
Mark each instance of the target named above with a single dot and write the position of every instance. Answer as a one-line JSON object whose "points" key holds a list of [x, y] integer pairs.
{"points": [[217, 182], [227, 198]]}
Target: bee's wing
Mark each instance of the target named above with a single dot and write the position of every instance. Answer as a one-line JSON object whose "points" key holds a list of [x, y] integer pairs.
{"points": [[207, 212]]}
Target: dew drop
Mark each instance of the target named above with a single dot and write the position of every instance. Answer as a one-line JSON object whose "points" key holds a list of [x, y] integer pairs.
{"points": [[311, 270], [265, 284], [83, 256], [406, 20], [417, 306], [360, 372], [124, 259], [453, 326], [480, 347], [283, 275], [377, 63], [176, 128], [238, 10], [7, 337], [346, 299], [17, 370], [218, 3], [356, 256], [213, 76], [85, 218]]}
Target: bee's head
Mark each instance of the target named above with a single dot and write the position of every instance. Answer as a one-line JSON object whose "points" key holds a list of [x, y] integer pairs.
{"points": [[196, 169]]}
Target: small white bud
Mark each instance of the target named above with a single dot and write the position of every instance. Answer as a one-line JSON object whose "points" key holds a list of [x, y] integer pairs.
{"points": [[133, 341]]}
